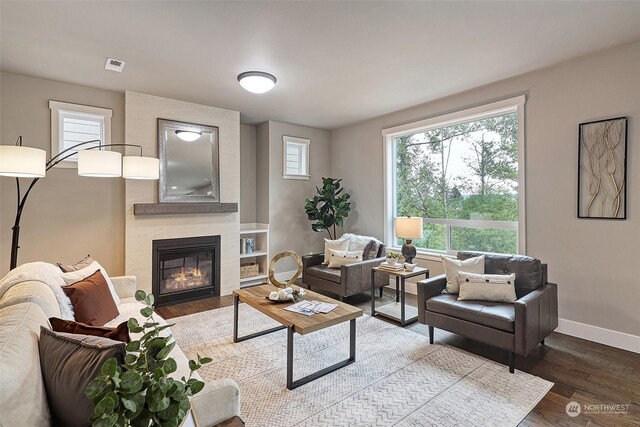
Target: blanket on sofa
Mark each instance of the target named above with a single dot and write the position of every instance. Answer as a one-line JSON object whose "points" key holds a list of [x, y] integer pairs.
{"points": [[41, 272]]}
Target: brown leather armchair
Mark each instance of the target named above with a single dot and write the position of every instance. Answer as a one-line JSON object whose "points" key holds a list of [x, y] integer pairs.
{"points": [[347, 281], [517, 328]]}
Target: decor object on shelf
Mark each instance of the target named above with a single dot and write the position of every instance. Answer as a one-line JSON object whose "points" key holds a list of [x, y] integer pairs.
{"points": [[602, 174], [24, 162], [189, 162], [409, 228], [143, 393], [329, 208], [249, 269], [409, 266], [393, 258], [257, 81], [274, 261], [249, 245]]}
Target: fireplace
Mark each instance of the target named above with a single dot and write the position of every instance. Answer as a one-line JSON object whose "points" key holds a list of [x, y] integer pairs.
{"points": [[185, 269]]}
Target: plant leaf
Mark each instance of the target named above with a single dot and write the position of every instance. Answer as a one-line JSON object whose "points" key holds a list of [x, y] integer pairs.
{"points": [[140, 295]]}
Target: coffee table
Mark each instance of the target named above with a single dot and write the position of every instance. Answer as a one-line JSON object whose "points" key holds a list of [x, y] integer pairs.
{"points": [[297, 323]]}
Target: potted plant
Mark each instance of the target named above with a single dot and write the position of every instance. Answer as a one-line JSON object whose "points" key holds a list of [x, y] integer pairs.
{"points": [[393, 258], [329, 207], [140, 392]]}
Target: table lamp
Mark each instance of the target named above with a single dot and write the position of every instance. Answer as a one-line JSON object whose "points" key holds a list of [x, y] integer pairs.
{"points": [[409, 228]]}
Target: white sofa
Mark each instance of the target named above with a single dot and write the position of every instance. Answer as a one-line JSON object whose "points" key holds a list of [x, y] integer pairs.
{"points": [[23, 402]]}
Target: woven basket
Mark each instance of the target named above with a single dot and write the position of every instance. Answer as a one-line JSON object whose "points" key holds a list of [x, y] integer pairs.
{"points": [[249, 269]]}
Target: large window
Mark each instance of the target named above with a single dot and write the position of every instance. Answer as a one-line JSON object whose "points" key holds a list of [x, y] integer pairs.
{"points": [[462, 174]]}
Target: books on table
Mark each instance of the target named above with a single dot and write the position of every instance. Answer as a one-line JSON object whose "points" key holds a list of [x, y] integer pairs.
{"points": [[389, 267], [311, 307]]}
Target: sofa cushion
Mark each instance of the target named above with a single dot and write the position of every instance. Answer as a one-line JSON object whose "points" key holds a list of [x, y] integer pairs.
{"points": [[92, 301], [34, 292], [371, 250], [23, 401], [496, 315], [528, 270], [85, 262], [119, 333], [324, 272], [69, 363]]}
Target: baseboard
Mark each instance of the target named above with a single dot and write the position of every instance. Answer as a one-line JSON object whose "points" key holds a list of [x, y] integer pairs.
{"points": [[600, 335]]}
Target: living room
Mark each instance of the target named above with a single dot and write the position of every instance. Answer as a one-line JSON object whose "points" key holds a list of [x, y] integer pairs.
{"points": [[196, 163]]}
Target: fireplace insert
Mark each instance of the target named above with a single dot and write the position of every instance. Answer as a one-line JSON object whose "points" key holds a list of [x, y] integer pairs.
{"points": [[185, 269]]}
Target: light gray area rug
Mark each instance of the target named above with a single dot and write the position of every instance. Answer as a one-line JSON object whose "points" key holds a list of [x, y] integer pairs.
{"points": [[398, 379]]}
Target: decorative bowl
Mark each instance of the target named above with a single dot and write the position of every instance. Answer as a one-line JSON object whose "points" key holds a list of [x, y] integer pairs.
{"points": [[409, 267]]}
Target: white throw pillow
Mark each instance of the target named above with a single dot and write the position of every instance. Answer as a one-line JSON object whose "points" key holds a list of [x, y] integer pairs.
{"points": [[452, 267], [487, 287], [75, 276], [341, 244], [339, 258]]}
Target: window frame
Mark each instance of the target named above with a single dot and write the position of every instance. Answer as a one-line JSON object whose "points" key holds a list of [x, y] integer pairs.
{"points": [[306, 144], [59, 110], [515, 104]]}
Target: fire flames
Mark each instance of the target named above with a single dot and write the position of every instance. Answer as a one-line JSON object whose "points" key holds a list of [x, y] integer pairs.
{"points": [[186, 279]]}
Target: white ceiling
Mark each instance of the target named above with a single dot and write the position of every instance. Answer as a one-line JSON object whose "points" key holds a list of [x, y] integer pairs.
{"points": [[336, 62]]}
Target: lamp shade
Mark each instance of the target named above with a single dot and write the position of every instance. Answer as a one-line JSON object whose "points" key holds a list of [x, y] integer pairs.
{"points": [[409, 227], [22, 162], [99, 163], [138, 167]]}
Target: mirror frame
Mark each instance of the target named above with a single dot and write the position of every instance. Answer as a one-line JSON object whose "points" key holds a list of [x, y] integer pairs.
{"points": [[163, 197]]}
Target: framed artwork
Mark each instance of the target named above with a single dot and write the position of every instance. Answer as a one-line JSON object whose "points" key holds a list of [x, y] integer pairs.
{"points": [[602, 169]]}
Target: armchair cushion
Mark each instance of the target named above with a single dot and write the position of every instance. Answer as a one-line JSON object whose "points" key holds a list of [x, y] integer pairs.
{"points": [[323, 272], [493, 314]]}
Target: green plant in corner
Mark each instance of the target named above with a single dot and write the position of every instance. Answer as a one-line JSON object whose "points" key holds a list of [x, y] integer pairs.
{"points": [[140, 392], [329, 208]]}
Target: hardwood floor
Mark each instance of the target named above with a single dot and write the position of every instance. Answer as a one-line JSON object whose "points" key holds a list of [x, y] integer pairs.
{"points": [[583, 371]]}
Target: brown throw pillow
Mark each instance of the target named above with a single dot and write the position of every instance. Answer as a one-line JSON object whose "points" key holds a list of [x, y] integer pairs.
{"points": [[92, 301], [119, 333], [69, 363], [371, 250], [77, 266]]}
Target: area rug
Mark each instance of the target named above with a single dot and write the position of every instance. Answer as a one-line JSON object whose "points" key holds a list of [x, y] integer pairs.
{"points": [[398, 379]]}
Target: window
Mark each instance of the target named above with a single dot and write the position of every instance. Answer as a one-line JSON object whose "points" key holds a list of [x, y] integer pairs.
{"points": [[463, 173], [295, 158], [72, 124]]}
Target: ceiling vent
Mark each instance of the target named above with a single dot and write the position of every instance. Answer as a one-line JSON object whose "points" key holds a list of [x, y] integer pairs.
{"points": [[114, 65]]}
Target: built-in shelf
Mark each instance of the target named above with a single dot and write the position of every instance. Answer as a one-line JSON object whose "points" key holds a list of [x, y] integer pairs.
{"points": [[254, 228], [253, 280], [183, 208], [254, 254]]}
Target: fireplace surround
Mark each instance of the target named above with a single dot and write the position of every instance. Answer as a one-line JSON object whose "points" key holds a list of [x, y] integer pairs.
{"points": [[185, 269]]}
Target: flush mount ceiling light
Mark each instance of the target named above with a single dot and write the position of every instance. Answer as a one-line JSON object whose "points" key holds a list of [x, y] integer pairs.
{"points": [[257, 81], [188, 135]]}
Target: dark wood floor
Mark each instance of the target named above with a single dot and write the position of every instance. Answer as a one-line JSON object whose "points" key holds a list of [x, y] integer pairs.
{"points": [[583, 371]]}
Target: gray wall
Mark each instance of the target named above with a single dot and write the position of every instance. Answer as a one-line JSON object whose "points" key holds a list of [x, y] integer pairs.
{"points": [[594, 261], [247, 174], [66, 216], [283, 206]]}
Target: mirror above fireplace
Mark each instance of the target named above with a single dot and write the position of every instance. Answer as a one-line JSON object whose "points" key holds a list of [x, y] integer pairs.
{"points": [[189, 162]]}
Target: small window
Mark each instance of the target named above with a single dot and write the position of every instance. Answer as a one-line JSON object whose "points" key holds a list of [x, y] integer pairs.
{"points": [[72, 124], [295, 158]]}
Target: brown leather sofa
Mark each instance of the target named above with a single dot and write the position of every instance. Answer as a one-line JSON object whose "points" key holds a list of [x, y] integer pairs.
{"points": [[517, 328], [347, 281]]}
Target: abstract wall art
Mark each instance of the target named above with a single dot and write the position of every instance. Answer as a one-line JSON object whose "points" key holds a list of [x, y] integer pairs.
{"points": [[602, 175]]}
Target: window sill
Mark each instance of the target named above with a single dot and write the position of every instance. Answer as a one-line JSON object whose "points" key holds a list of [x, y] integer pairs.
{"points": [[298, 177]]}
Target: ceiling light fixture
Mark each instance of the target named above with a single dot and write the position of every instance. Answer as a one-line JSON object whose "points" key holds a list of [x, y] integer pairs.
{"points": [[257, 81], [188, 135]]}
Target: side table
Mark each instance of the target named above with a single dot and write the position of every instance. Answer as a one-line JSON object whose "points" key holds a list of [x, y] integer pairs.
{"points": [[397, 310]]}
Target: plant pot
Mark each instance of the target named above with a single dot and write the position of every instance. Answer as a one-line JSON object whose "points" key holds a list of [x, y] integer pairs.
{"points": [[392, 261]]}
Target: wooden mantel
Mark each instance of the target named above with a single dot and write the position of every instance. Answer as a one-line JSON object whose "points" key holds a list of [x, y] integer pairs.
{"points": [[183, 208]]}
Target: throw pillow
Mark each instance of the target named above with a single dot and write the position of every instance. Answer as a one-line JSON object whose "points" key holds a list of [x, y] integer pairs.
{"points": [[371, 250], [339, 258], [77, 266], [452, 267], [68, 364], [91, 300], [487, 287], [341, 244], [119, 333], [74, 276]]}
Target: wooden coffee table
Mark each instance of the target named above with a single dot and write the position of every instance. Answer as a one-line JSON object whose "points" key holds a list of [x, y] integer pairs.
{"points": [[297, 323]]}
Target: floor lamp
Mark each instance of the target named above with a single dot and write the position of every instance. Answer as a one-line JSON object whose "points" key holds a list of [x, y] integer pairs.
{"points": [[25, 162]]}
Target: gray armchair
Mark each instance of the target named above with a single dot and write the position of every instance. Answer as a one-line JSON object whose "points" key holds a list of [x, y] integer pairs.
{"points": [[517, 328], [347, 281]]}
